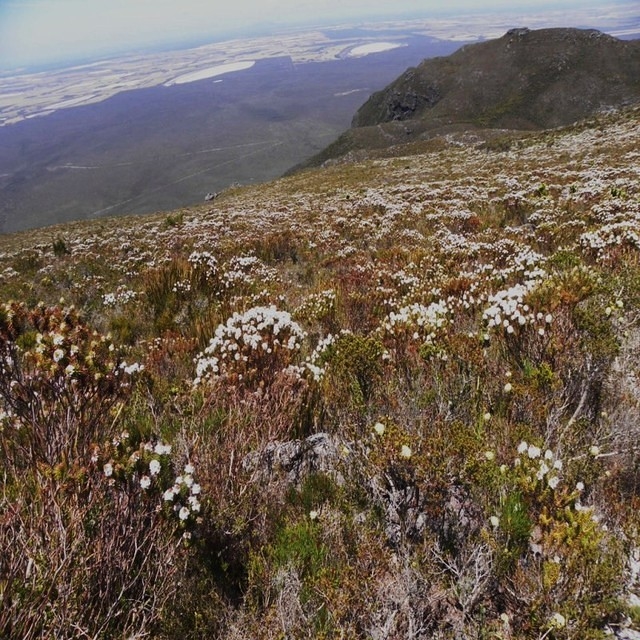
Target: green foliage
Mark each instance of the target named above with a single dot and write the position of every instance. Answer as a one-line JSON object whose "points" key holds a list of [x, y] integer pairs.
{"points": [[354, 365], [300, 545], [60, 248], [124, 329], [515, 523], [174, 220], [316, 489]]}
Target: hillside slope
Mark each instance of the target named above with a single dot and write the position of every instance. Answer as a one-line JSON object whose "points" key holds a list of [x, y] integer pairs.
{"points": [[393, 399], [524, 80]]}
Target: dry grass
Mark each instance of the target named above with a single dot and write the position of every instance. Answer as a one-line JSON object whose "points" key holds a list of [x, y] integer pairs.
{"points": [[461, 320]]}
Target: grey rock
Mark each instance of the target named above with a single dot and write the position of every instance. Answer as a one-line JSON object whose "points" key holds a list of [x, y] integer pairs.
{"points": [[296, 459]]}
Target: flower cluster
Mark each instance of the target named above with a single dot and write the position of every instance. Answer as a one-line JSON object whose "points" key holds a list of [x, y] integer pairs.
{"points": [[245, 271], [611, 235], [148, 466], [538, 467], [316, 362], [184, 495], [58, 376], [508, 311], [253, 345], [417, 321], [317, 306], [204, 264], [120, 298]]}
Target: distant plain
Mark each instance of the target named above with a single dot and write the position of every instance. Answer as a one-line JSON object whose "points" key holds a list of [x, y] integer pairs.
{"points": [[163, 147], [157, 131]]}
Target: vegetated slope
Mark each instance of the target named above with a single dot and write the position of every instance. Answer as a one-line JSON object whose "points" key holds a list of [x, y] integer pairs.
{"points": [[391, 399], [524, 80]]}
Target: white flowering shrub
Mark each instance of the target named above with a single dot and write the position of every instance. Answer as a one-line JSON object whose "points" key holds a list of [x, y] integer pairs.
{"points": [[119, 298], [416, 324], [319, 308], [58, 382], [315, 364], [87, 536], [146, 466], [205, 271], [509, 312], [251, 347]]}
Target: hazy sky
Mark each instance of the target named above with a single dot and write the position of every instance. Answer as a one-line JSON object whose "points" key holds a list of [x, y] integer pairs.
{"points": [[40, 31]]}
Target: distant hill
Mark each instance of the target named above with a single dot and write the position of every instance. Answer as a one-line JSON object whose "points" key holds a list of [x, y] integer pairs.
{"points": [[524, 80]]}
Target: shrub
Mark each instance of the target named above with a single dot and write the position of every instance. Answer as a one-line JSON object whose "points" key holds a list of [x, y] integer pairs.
{"points": [[58, 382], [251, 348]]}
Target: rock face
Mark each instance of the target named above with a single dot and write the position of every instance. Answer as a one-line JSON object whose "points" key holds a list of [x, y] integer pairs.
{"points": [[524, 80]]}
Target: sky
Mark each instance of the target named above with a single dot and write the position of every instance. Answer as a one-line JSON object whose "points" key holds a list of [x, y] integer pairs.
{"points": [[39, 32]]}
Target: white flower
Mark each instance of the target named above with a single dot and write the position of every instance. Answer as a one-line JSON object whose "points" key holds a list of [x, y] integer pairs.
{"points": [[108, 469], [184, 513], [313, 514], [195, 489], [553, 481], [548, 454], [522, 447], [168, 495], [594, 450], [548, 318], [188, 480], [162, 449], [486, 417], [580, 486], [533, 452], [154, 467], [405, 451], [195, 504], [378, 427], [489, 455], [557, 465], [494, 520], [145, 482], [58, 354], [189, 469], [508, 388], [558, 620]]}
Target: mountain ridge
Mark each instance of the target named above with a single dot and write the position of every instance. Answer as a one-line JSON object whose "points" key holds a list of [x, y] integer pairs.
{"points": [[525, 80]]}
